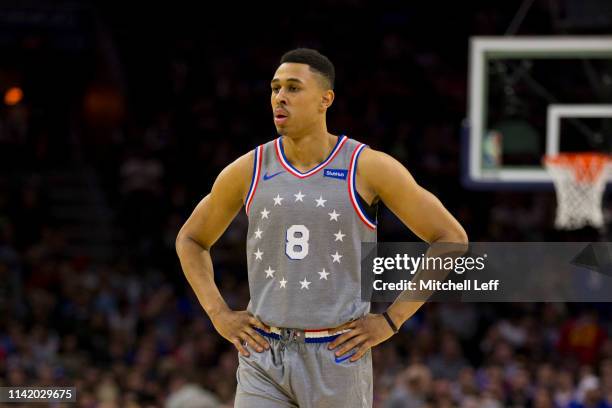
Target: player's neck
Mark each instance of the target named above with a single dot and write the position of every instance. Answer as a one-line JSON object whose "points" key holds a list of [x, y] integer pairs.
{"points": [[306, 151]]}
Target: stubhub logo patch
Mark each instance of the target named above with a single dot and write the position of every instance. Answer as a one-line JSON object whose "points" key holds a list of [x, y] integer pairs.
{"points": [[336, 173]]}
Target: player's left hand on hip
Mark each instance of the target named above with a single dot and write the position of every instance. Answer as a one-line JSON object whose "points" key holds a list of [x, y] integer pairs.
{"points": [[363, 333]]}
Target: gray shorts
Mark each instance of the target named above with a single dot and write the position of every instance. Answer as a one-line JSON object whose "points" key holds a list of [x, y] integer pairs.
{"points": [[293, 373]]}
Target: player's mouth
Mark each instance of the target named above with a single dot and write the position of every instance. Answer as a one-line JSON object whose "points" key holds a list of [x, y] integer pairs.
{"points": [[280, 116]]}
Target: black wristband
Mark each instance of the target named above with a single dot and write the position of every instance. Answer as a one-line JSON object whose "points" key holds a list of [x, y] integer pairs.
{"points": [[391, 324]]}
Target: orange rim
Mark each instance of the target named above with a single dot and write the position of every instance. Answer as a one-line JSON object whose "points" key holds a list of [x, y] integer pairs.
{"points": [[587, 167]]}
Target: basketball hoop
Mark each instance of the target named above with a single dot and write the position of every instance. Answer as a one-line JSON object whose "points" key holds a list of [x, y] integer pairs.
{"points": [[580, 180]]}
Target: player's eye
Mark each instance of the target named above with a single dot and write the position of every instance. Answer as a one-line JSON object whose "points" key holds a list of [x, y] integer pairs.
{"points": [[293, 88], [275, 89]]}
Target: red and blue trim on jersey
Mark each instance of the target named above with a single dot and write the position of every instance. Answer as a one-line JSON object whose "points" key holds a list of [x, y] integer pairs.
{"points": [[255, 178], [280, 153], [353, 189]]}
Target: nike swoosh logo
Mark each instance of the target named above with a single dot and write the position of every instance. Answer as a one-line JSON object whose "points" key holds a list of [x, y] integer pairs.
{"points": [[266, 177], [342, 358]]}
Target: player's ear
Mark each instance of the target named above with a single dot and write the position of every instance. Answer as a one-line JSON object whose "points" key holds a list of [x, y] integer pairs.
{"points": [[327, 99]]}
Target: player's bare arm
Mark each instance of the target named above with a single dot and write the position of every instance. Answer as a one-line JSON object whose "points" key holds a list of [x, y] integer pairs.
{"points": [[381, 177], [209, 220]]}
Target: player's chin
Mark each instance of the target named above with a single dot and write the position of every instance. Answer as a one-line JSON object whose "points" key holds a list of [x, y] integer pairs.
{"points": [[280, 129]]}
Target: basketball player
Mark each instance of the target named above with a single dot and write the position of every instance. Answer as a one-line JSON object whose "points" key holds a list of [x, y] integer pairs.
{"points": [[310, 196]]}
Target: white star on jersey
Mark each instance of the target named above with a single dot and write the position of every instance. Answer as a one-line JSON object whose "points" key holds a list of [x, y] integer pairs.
{"points": [[304, 284], [258, 233], [320, 201], [277, 200], [299, 196], [333, 216], [258, 254], [339, 235], [336, 257], [269, 272], [264, 213], [283, 283], [323, 274]]}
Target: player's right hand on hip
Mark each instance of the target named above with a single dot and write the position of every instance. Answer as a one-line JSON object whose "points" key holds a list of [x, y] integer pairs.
{"points": [[238, 328]]}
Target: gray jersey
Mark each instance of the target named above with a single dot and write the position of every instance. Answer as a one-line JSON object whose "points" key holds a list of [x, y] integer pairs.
{"points": [[304, 239]]}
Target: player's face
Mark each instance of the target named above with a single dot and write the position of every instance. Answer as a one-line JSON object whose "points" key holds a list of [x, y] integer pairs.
{"points": [[298, 98]]}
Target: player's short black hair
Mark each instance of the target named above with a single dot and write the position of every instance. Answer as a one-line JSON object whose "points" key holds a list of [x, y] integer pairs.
{"points": [[313, 58]]}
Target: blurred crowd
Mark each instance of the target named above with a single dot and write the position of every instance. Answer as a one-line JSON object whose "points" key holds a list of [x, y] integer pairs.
{"points": [[128, 332], [126, 337]]}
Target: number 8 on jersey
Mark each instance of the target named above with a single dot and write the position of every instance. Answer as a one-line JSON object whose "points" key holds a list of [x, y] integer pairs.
{"points": [[297, 236]]}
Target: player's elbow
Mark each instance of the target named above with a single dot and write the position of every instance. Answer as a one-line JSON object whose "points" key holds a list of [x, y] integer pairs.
{"points": [[460, 236], [454, 235], [184, 239], [180, 239], [453, 240]]}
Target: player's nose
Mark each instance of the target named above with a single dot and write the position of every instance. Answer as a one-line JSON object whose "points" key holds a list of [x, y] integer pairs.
{"points": [[280, 97]]}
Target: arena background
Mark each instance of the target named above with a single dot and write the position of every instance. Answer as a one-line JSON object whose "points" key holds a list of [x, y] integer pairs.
{"points": [[115, 120]]}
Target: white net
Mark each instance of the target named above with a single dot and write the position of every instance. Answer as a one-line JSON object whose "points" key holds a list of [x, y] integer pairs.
{"points": [[580, 181]]}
